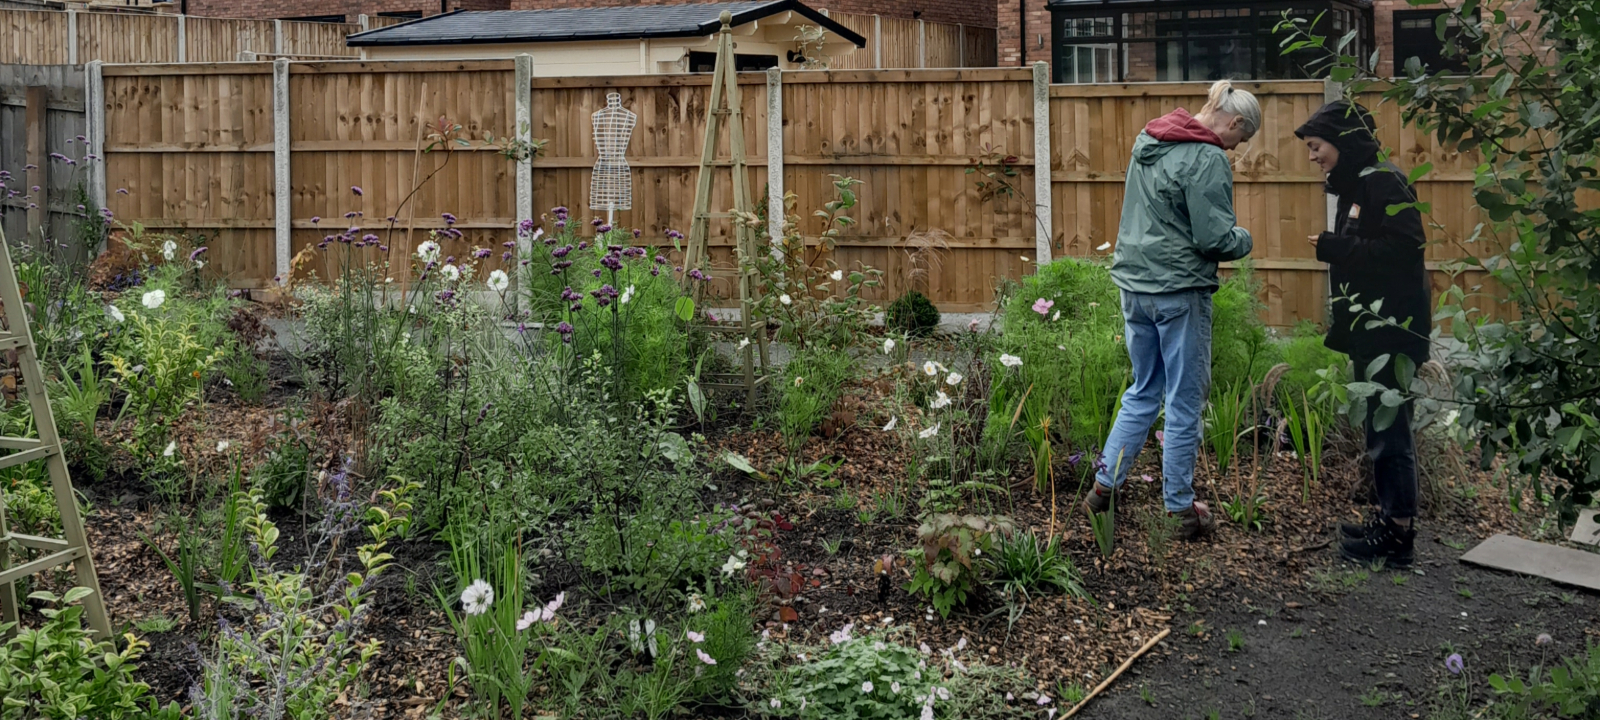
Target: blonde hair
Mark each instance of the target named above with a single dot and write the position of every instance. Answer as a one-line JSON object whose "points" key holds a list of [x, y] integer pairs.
{"points": [[1224, 97]]}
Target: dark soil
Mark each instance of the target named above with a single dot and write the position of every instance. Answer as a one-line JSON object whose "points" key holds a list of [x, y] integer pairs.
{"points": [[1321, 639]]}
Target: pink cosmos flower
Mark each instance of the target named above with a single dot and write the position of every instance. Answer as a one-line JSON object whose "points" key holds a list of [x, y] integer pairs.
{"points": [[1042, 306]]}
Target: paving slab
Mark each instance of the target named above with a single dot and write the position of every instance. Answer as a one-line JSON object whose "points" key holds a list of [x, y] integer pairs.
{"points": [[1587, 531], [1563, 565]]}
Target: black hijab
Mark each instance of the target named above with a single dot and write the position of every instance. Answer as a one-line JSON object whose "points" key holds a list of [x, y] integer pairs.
{"points": [[1349, 127]]}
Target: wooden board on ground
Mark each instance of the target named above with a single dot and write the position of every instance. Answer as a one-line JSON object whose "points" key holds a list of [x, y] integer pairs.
{"points": [[1587, 531], [1563, 565]]}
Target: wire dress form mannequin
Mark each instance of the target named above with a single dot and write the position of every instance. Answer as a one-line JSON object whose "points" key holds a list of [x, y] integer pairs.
{"points": [[611, 187]]}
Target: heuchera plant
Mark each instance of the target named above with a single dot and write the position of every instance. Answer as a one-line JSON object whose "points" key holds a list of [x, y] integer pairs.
{"points": [[946, 569]]}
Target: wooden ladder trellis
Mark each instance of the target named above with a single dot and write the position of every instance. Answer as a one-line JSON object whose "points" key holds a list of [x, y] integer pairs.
{"points": [[724, 108], [74, 548]]}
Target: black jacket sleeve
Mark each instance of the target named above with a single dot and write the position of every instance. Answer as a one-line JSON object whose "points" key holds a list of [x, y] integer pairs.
{"points": [[1377, 238]]}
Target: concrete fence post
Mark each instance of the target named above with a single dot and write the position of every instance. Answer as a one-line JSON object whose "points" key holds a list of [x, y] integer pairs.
{"points": [[523, 92], [877, 41], [363, 22], [283, 225], [72, 37], [277, 37], [94, 113], [1043, 203], [775, 210]]}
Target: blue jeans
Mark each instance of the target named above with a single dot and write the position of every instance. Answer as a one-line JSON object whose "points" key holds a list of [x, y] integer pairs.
{"points": [[1169, 341]]}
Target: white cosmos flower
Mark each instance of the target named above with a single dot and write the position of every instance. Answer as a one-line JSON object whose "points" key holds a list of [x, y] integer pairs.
{"points": [[744, 343], [168, 249], [154, 298], [477, 598], [428, 251], [939, 401], [733, 565], [222, 446], [888, 345], [775, 703], [172, 447], [1055, 316], [785, 299], [115, 314], [930, 368], [527, 620], [707, 659], [930, 432], [627, 294], [953, 379], [837, 275], [892, 422], [1010, 360], [1104, 247], [450, 272], [499, 281]]}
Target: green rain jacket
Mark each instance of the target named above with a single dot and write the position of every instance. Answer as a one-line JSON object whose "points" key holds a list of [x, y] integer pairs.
{"points": [[1177, 211]]}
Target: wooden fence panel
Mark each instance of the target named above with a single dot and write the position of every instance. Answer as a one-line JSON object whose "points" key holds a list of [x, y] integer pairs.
{"points": [[315, 38], [664, 154], [364, 125], [900, 43], [124, 38], [860, 58], [909, 137], [983, 47], [212, 40], [192, 147], [379, 21], [64, 124], [33, 36], [943, 45]]}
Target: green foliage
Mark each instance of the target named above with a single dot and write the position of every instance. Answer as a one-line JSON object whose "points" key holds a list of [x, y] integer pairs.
{"points": [[494, 624], [1240, 350], [948, 561], [1023, 564], [1248, 510], [1528, 378], [835, 684], [282, 476], [161, 361], [1307, 425], [912, 313], [1104, 527], [299, 648], [1223, 415], [1074, 365], [1305, 354], [1570, 689], [813, 305], [811, 384], [57, 672]]}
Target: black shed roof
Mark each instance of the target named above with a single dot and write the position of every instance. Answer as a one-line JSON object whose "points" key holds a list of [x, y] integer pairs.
{"points": [[603, 23]]}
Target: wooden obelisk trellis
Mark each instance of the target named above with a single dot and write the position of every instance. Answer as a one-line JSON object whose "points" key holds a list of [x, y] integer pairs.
{"points": [[724, 109], [74, 549]]}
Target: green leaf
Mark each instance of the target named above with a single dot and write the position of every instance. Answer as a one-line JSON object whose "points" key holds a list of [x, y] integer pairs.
{"points": [[1392, 398], [1376, 365], [1405, 370], [1342, 73], [685, 308], [75, 594], [1417, 173], [1384, 417]]}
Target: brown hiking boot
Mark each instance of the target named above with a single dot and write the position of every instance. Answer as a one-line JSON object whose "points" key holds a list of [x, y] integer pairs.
{"points": [[1099, 499], [1197, 521]]}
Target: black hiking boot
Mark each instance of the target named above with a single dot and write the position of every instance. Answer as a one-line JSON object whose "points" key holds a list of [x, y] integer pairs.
{"points": [[1357, 531], [1099, 499], [1388, 542], [1195, 522]]}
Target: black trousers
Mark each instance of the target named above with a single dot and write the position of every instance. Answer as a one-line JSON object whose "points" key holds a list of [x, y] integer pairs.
{"points": [[1392, 450]]}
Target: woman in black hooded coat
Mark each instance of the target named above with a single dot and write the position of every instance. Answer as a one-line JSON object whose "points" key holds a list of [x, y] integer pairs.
{"points": [[1374, 255]]}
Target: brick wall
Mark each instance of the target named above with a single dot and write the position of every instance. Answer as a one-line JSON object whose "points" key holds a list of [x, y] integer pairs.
{"points": [[278, 9], [977, 13], [1010, 28], [1383, 24]]}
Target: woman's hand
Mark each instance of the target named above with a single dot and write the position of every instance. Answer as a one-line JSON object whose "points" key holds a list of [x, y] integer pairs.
{"points": [[1313, 239]]}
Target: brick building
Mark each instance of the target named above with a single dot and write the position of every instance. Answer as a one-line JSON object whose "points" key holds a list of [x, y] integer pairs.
{"points": [[976, 13], [1175, 40]]}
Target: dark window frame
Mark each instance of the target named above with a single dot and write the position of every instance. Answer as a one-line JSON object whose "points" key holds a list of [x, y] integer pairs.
{"points": [[316, 18], [402, 14], [1207, 22], [741, 62], [1424, 35]]}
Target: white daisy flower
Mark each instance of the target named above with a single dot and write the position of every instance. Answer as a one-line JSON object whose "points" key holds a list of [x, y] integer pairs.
{"points": [[892, 422], [939, 401], [930, 368], [930, 432], [477, 598], [697, 603], [733, 565], [154, 298], [499, 281], [953, 379], [222, 446]]}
